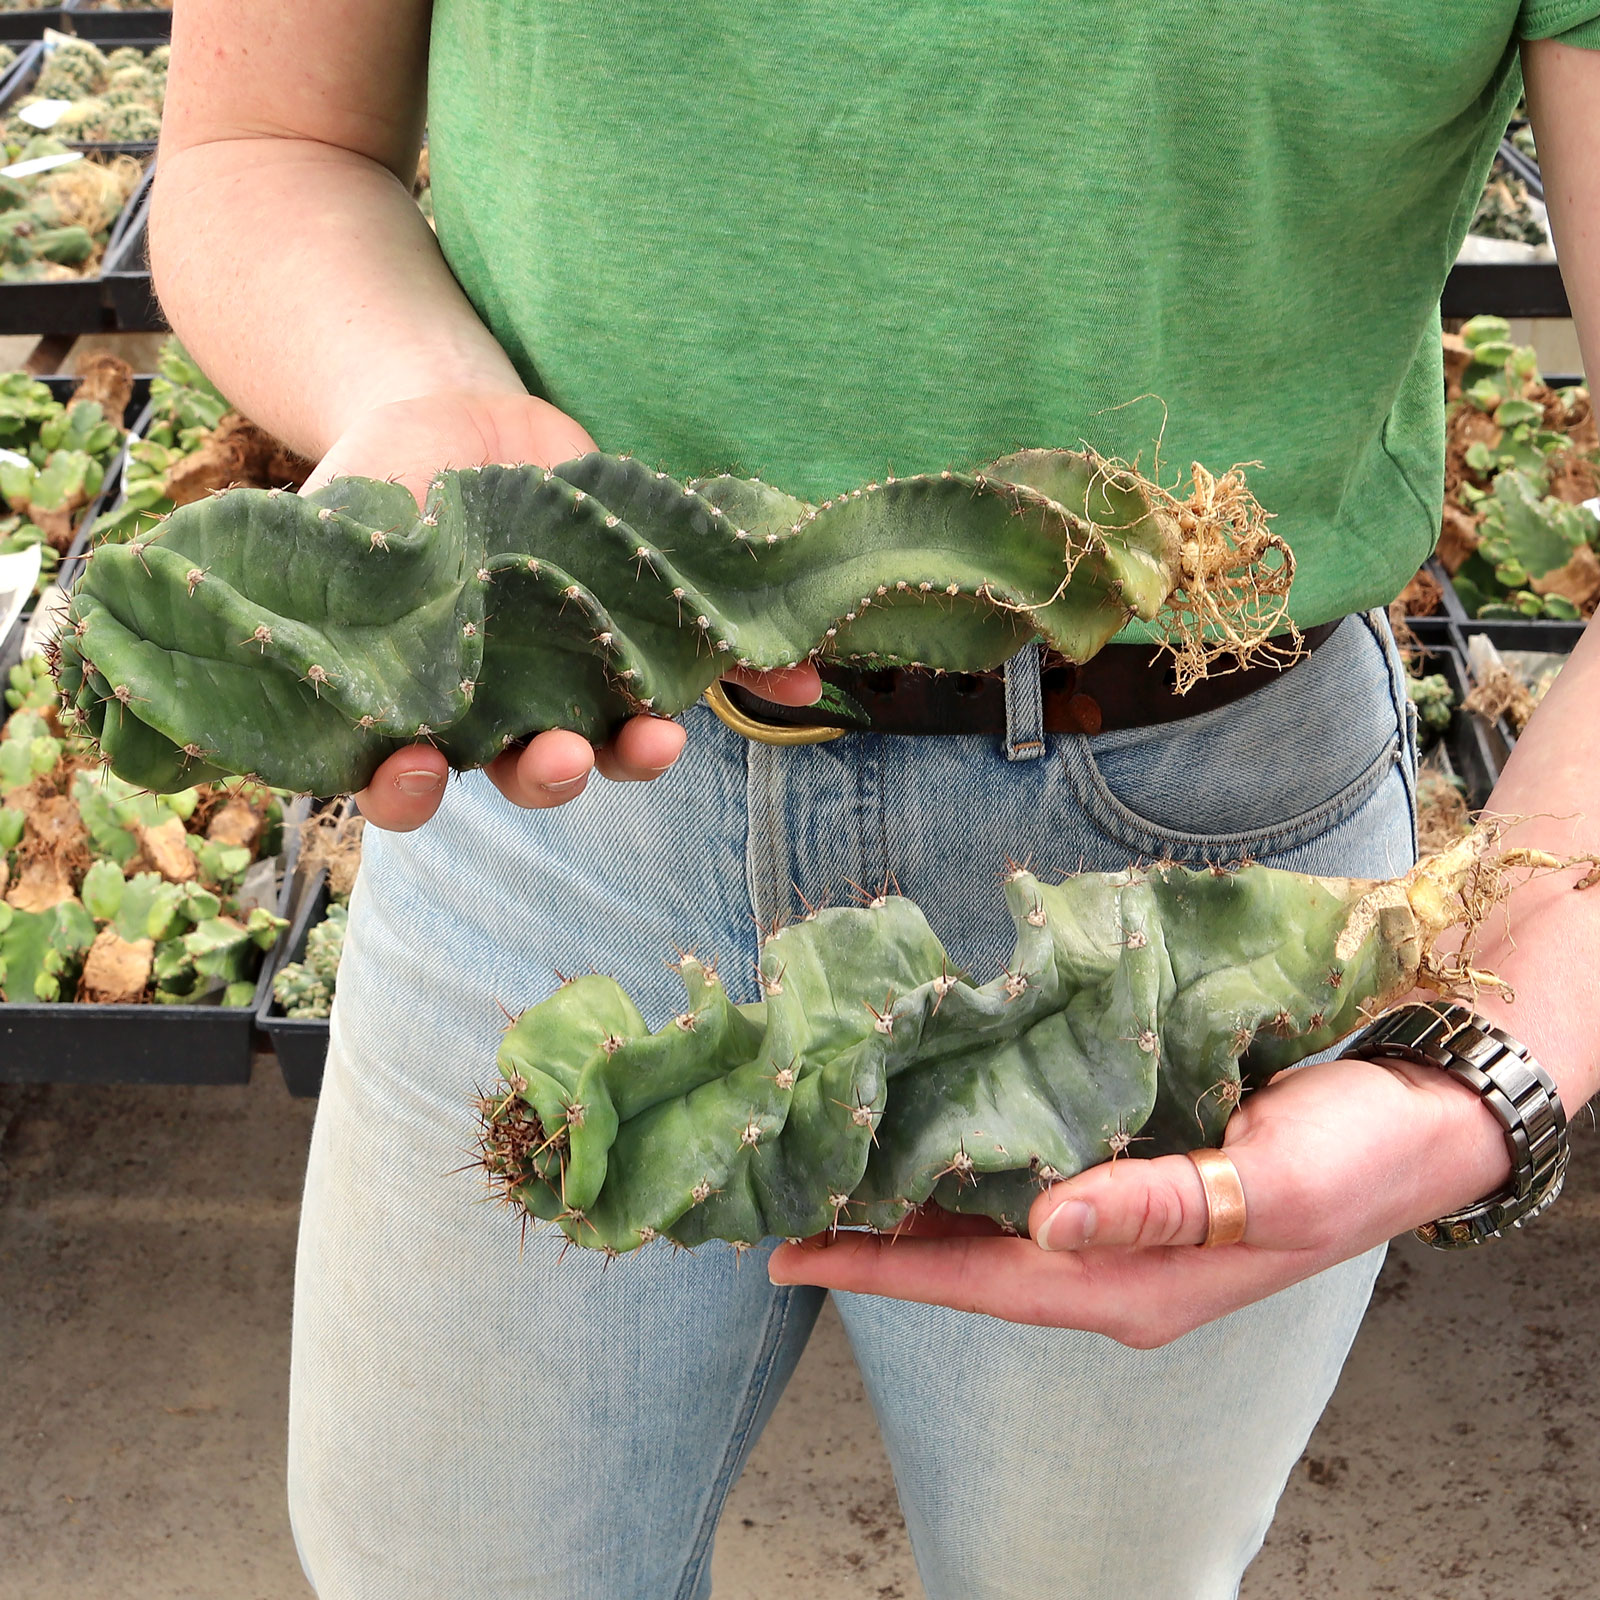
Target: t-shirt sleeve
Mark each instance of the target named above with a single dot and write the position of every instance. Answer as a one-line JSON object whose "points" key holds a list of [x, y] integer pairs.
{"points": [[1575, 22]]}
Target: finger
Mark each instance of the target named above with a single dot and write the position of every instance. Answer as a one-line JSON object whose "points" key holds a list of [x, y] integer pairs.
{"points": [[643, 749], [785, 686], [1140, 1298], [927, 1222], [551, 769], [406, 789], [1140, 1205]]}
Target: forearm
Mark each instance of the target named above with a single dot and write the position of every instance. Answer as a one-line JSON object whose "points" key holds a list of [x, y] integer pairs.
{"points": [[284, 242], [351, 307], [1546, 940]]}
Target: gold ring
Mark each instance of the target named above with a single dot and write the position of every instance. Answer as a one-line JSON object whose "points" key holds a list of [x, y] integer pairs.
{"points": [[1225, 1210], [766, 732]]}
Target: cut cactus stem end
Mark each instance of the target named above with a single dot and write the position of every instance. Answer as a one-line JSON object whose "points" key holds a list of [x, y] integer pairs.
{"points": [[873, 1079], [520, 599]]}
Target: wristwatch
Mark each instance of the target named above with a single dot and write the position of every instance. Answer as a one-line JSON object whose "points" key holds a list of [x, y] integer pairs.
{"points": [[1509, 1081]]}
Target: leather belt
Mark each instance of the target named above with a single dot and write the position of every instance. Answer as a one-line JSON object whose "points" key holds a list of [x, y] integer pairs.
{"points": [[1124, 686]]}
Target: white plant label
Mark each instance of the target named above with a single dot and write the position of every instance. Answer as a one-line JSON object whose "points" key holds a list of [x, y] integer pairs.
{"points": [[31, 169], [44, 113]]}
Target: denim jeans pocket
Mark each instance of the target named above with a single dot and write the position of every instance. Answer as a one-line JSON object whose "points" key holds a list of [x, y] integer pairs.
{"points": [[1274, 770]]}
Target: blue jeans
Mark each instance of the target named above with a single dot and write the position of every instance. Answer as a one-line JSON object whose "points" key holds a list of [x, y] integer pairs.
{"points": [[470, 1420]]}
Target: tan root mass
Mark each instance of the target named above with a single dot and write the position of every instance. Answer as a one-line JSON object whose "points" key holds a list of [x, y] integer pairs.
{"points": [[1231, 602], [236, 822], [40, 885], [331, 842], [1501, 693], [236, 452], [1460, 888], [107, 380], [1442, 815], [166, 847], [116, 971]]}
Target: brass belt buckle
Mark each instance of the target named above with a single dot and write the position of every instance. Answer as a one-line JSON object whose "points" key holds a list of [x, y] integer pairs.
{"points": [[765, 732]]}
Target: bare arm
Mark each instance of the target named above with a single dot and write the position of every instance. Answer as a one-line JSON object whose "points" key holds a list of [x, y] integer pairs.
{"points": [[1553, 776], [284, 241]]}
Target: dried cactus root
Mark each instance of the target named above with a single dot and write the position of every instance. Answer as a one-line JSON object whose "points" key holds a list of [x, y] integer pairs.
{"points": [[302, 639], [872, 1077]]}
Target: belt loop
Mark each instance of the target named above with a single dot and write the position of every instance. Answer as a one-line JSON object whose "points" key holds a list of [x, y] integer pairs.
{"points": [[1025, 704]]}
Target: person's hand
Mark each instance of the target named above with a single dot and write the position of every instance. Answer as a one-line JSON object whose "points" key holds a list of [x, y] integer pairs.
{"points": [[412, 440], [1334, 1159]]}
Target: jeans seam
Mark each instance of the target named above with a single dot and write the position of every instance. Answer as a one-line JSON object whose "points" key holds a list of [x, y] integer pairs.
{"points": [[755, 1392], [1405, 714]]}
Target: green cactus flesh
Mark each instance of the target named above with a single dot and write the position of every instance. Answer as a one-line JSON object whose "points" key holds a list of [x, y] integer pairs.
{"points": [[304, 638], [871, 1076]]}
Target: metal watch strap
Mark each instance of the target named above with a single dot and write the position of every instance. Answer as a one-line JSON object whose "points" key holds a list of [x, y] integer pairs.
{"points": [[1509, 1081]]}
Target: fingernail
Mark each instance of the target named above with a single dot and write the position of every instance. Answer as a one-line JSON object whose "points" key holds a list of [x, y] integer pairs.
{"points": [[567, 785], [420, 782], [1069, 1227]]}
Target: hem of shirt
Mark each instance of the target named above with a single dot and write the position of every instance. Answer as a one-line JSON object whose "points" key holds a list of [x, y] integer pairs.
{"points": [[1560, 17]]}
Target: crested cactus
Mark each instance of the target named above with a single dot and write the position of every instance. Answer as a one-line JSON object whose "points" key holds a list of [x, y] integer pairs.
{"points": [[871, 1076], [522, 599]]}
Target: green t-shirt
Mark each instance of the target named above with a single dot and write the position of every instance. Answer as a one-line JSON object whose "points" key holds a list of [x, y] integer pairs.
{"points": [[828, 239]]}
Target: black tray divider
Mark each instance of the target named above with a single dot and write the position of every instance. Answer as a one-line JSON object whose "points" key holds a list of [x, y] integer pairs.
{"points": [[111, 28]]}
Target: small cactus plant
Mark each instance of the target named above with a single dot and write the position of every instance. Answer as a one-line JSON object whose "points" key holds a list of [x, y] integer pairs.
{"points": [[872, 1076], [521, 599], [305, 988]]}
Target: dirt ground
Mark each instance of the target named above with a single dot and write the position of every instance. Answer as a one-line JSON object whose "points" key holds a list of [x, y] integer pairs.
{"points": [[146, 1250]]}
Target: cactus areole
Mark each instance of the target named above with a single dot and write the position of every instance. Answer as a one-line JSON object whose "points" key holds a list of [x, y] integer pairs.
{"points": [[302, 639], [872, 1076]]}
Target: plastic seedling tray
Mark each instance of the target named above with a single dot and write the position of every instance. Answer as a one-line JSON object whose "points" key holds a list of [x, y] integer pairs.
{"points": [[1550, 637], [117, 27], [77, 1043], [24, 73], [1466, 748], [21, 77], [67, 305], [126, 270], [301, 1043], [1506, 289], [16, 25], [61, 387]]}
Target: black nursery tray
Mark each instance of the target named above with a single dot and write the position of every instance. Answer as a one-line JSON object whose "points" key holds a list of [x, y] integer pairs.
{"points": [[61, 386], [24, 73], [133, 26], [1508, 288], [1467, 751], [15, 25], [71, 1043], [67, 305], [79, 1043], [126, 269], [1545, 635], [301, 1043]]}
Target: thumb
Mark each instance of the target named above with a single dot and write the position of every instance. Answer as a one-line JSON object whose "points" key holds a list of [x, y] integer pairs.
{"points": [[1132, 1204]]}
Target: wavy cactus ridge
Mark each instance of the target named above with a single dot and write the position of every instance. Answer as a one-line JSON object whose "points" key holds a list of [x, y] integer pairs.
{"points": [[871, 1076], [303, 638]]}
